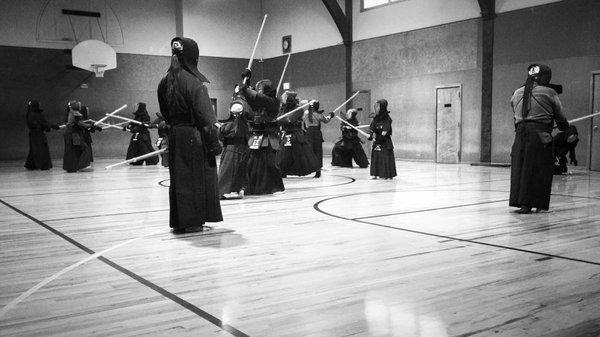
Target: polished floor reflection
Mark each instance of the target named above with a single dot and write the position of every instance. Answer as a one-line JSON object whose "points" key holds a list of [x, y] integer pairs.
{"points": [[435, 252]]}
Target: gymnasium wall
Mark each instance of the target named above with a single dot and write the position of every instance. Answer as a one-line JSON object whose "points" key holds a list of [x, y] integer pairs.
{"points": [[41, 73], [405, 69], [308, 22], [563, 35], [34, 65]]}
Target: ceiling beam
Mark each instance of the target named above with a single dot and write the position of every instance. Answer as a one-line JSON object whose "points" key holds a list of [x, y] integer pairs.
{"points": [[340, 19], [487, 8]]}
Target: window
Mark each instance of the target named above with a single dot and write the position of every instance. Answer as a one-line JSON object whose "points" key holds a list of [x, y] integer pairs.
{"points": [[369, 4]]}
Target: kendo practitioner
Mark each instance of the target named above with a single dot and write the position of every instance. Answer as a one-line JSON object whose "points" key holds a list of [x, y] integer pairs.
{"points": [[264, 175], [564, 143], [39, 153], [78, 154], [87, 132], [163, 137], [536, 107], [234, 133], [349, 146], [193, 141], [295, 156], [140, 142], [383, 164], [311, 123]]}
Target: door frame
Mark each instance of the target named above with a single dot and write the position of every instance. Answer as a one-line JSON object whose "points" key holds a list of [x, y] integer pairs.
{"points": [[591, 111], [460, 121]]}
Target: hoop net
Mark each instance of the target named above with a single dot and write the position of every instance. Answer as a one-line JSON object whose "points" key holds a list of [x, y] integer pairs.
{"points": [[98, 69]]}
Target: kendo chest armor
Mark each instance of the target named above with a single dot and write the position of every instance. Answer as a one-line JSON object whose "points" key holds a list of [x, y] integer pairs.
{"points": [[261, 121]]}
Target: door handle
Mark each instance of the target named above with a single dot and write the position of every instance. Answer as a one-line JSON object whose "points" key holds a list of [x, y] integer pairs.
{"points": [[595, 128]]}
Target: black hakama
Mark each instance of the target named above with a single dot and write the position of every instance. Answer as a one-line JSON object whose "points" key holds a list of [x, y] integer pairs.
{"points": [[139, 145], [531, 166], [315, 138], [264, 175], [345, 150], [78, 154], [39, 153], [193, 192], [296, 156], [383, 163]]}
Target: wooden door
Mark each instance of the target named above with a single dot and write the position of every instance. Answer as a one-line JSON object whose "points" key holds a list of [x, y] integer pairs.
{"points": [[448, 124]]}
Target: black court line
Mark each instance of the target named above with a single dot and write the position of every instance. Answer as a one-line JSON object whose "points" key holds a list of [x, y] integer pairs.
{"points": [[450, 238], [187, 305], [166, 209], [431, 209]]}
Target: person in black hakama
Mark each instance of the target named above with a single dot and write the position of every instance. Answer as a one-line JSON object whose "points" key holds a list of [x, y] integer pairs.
{"points": [[163, 137], [234, 132], [193, 143], [264, 175], [295, 156], [39, 153], [383, 164], [311, 123], [564, 143], [349, 146], [78, 154], [140, 142], [536, 107], [87, 132]]}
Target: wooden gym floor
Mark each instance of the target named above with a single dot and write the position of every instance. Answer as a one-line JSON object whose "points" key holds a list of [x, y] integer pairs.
{"points": [[435, 252]]}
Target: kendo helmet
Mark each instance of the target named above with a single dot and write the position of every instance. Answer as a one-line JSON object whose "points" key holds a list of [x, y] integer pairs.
{"points": [[34, 105], [265, 87], [188, 53], [75, 106], [540, 73]]}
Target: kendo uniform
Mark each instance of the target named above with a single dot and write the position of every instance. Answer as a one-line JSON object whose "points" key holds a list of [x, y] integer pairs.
{"points": [[295, 156], [87, 132], [193, 143], [536, 107], [349, 146], [140, 143], [264, 175], [234, 132], [39, 153], [312, 125], [383, 164], [564, 143], [77, 154], [163, 138]]}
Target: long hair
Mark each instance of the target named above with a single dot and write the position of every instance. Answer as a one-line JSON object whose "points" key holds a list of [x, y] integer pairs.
{"points": [[527, 96], [174, 96]]}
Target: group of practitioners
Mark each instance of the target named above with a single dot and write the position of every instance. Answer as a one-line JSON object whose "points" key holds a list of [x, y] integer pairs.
{"points": [[78, 153], [265, 139]]}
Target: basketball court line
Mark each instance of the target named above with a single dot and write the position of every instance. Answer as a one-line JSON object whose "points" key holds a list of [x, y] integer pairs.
{"points": [[431, 209], [187, 305], [53, 277], [78, 192], [447, 237]]}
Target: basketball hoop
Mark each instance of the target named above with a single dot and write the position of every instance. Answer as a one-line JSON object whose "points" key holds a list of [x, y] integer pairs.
{"points": [[98, 69], [94, 55]]}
